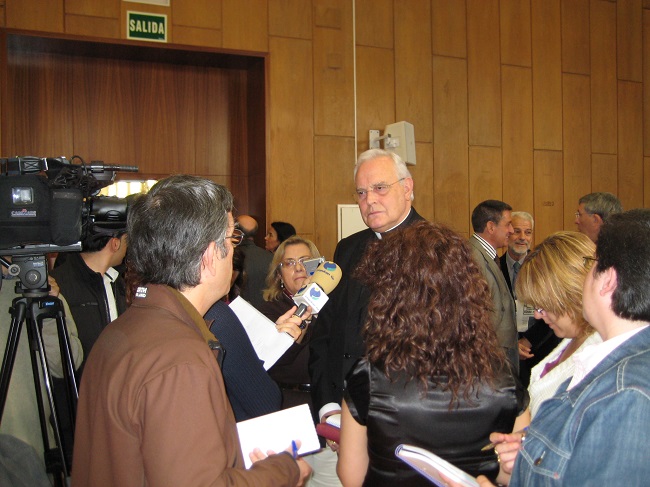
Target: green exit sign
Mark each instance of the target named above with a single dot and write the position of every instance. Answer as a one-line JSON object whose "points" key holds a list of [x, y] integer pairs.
{"points": [[146, 27]]}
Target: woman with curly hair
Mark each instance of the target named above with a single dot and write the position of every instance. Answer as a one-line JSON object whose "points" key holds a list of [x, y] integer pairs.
{"points": [[434, 375]]}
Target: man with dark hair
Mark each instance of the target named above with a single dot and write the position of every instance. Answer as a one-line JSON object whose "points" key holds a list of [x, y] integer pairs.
{"points": [[256, 262], [594, 431], [96, 290], [492, 224], [153, 410], [593, 210]]}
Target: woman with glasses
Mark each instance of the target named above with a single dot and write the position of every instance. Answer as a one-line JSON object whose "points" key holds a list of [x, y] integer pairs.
{"points": [[286, 276], [434, 375], [551, 280]]}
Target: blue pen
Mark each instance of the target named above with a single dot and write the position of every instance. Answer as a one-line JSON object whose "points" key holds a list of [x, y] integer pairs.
{"points": [[294, 449]]}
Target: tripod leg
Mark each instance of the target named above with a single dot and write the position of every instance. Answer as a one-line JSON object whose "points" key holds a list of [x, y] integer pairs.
{"points": [[18, 312]]}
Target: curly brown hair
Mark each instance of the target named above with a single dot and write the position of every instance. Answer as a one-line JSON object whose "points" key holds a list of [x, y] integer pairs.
{"points": [[429, 310]]}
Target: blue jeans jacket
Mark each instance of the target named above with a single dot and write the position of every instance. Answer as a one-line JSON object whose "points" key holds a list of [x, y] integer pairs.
{"points": [[597, 433]]}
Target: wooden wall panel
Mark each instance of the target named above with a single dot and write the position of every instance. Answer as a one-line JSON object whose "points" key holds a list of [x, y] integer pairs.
{"points": [[290, 18], [547, 80], [604, 173], [39, 15], [245, 25], [413, 67], [517, 119], [484, 175], [37, 117], [97, 84], [483, 73], [333, 69], [202, 14], [549, 206], [646, 80], [167, 107], [96, 8], [603, 77], [630, 144], [515, 32], [375, 101], [376, 29], [92, 26], [334, 159], [450, 157], [290, 169], [577, 140], [629, 40], [449, 28], [192, 36], [423, 177], [575, 36]]}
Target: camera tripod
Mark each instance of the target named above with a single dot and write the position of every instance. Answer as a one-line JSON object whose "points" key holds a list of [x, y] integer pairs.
{"points": [[30, 310]]}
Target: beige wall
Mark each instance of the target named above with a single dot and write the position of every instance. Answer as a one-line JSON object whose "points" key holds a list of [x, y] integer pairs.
{"points": [[535, 102]]}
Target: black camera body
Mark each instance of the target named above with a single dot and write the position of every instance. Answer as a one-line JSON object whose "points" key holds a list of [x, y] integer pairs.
{"points": [[49, 205]]}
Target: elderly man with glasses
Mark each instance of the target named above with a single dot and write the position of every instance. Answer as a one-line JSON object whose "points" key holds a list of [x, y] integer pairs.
{"points": [[384, 191]]}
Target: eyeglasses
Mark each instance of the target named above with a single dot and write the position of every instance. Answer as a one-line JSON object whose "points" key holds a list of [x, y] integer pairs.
{"points": [[381, 189], [291, 263], [588, 261], [237, 237]]}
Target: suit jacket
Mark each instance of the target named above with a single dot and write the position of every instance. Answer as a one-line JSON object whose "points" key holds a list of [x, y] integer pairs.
{"points": [[503, 311], [336, 343], [256, 266]]}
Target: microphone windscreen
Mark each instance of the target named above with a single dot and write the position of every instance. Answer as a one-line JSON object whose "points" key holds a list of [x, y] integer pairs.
{"points": [[327, 276]]}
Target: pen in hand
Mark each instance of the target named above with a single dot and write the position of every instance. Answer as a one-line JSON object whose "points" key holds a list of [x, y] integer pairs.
{"points": [[489, 446], [294, 449]]}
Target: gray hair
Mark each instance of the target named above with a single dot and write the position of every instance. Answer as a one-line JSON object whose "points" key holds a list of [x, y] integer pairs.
{"points": [[601, 204], [400, 167], [171, 227], [524, 215]]}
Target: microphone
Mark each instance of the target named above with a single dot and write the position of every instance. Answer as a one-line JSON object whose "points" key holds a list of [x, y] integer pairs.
{"points": [[326, 277]]}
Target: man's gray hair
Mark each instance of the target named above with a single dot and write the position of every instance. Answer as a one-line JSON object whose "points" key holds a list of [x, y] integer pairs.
{"points": [[172, 225], [524, 215], [601, 204], [400, 167]]}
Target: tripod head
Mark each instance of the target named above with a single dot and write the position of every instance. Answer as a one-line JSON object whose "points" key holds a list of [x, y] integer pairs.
{"points": [[29, 265]]}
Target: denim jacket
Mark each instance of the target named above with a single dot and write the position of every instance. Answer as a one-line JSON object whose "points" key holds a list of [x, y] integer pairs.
{"points": [[596, 433]]}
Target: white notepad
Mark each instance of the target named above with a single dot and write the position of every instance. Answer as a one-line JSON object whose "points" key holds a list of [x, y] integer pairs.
{"points": [[275, 432], [430, 465]]}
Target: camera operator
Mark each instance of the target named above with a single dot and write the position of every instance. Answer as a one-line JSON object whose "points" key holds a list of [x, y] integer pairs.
{"points": [[96, 294], [21, 419]]}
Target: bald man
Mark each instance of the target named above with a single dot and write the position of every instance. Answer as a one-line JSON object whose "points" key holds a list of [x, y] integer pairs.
{"points": [[256, 262]]}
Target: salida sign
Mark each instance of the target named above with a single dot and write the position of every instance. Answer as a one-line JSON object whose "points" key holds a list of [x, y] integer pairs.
{"points": [[147, 27]]}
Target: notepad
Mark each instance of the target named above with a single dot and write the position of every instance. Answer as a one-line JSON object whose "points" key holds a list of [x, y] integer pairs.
{"points": [[275, 432], [431, 465]]}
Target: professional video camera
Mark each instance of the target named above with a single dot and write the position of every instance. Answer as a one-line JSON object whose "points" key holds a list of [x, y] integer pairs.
{"points": [[50, 205]]}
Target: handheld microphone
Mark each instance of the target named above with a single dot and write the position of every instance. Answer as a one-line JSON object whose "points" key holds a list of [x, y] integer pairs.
{"points": [[325, 279]]}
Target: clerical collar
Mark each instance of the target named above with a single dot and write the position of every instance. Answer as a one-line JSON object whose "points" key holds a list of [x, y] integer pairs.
{"points": [[391, 229]]}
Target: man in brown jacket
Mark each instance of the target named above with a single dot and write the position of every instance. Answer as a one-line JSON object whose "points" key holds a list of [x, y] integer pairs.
{"points": [[153, 410]]}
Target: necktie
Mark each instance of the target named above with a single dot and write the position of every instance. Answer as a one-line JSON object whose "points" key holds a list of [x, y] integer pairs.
{"points": [[515, 271]]}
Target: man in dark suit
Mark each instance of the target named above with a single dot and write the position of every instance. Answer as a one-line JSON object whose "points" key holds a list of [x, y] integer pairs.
{"points": [[384, 190], [491, 221], [256, 262], [536, 339]]}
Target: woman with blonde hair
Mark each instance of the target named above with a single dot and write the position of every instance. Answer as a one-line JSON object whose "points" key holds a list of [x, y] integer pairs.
{"points": [[551, 280]]}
